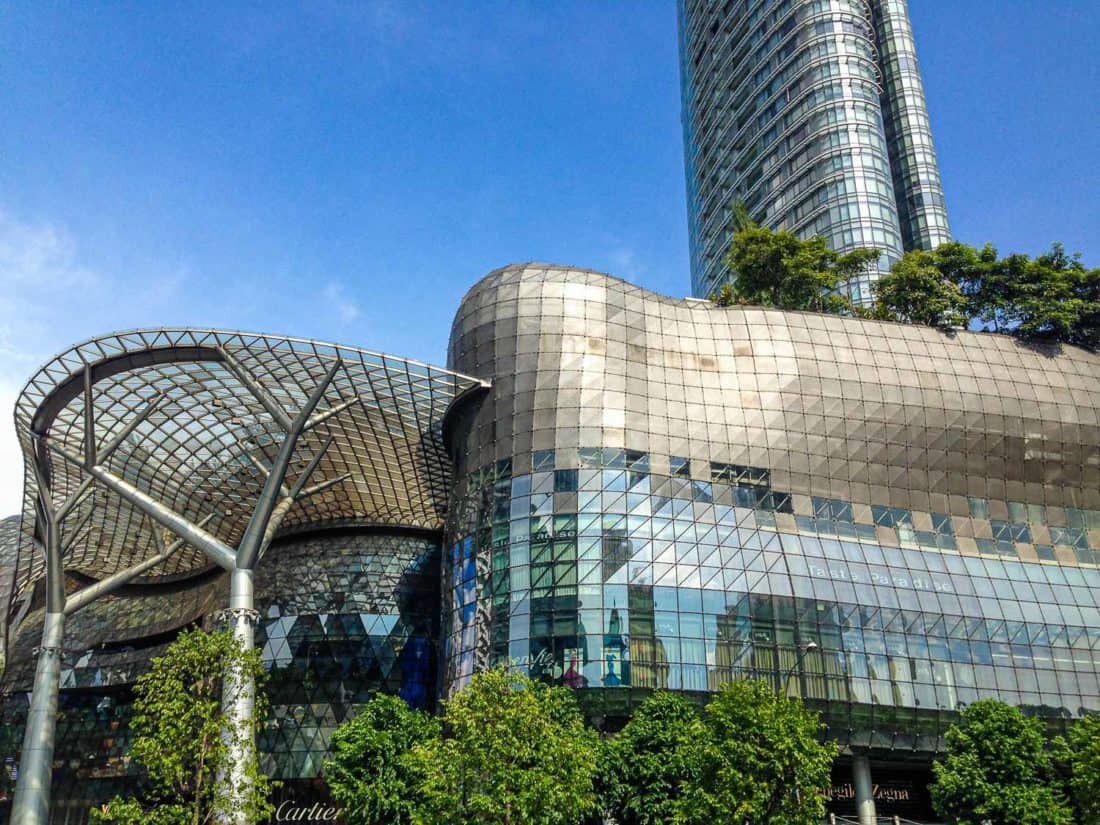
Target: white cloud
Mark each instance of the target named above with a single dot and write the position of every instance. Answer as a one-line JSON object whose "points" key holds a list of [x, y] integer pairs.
{"points": [[625, 263], [40, 253], [41, 282], [11, 458], [336, 296], [52, 295]]}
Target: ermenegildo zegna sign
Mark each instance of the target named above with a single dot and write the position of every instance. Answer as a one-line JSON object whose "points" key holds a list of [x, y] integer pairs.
{"points": [[897, 791], [305, 800]]}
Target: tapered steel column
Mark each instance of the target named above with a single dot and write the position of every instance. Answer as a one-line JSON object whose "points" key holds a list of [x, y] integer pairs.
{"points": [[238, 705], [865, 790], [31, 805]]}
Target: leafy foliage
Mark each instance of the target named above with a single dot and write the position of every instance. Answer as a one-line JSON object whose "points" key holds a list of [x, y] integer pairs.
{"points": [[1052, 298], [515, 751], [1084, 764], [776, 269], [180, 735], [725, 295], [757, 760], [915, 291], [998, 769], [370, 772], [646, 767]]}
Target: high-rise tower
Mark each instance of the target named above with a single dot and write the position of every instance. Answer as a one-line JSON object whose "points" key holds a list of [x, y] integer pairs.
{"points": [[811, 113]]}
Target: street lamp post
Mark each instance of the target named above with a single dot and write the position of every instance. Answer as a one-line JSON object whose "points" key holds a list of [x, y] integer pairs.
{"points": [[786, 683], [809, 646]]}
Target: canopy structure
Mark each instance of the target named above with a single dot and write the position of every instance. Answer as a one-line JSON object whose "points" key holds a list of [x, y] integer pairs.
{"points": [[194, 419]]}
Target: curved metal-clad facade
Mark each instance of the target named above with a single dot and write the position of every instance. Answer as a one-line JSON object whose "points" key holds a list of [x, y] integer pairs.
{"points": [[635, 493], [664, 493], [783, 111]]}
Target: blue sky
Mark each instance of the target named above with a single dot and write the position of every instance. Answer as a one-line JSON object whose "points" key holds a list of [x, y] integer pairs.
{"points": [[346, 171]]}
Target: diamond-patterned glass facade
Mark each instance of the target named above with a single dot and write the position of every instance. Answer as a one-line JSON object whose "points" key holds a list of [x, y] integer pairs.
{"points": [[343, 617]]}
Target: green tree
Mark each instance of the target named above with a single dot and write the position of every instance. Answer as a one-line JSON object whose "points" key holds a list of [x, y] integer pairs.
{"points": [[917, 291], [180, 735], [1084, 768], [1086, 332], [998, 769], [758, 761], [1050, 298], [370, 773], [725, 295], [646, 767], [515, 752], [1043, 301], [978, 277], [777, 269]]}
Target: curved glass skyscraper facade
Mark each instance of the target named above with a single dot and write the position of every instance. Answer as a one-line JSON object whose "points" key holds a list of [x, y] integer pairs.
{"points": [[811, 113]]}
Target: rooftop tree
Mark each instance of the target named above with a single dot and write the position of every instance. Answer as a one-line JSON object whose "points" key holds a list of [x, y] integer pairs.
{"points": [[777, 269], [917, 292]]}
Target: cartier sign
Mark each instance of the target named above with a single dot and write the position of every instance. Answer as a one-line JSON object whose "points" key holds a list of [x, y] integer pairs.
{"points": [[305, 800], [290, 810]]}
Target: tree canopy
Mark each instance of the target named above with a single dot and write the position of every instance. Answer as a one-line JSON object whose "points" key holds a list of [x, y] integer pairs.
{"points": [[916, 292], [370, 773], [1051, 298], [647, 766], [179, 735], [777, 269], [758, 760], [1084, 765], [998, 769], [514, 752]]}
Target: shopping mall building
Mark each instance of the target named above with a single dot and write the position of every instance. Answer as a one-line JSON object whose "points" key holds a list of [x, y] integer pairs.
{"points": [[614, 490]]}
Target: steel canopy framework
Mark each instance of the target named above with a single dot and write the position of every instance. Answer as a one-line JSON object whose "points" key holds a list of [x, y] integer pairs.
{"points": [[154, 456], [209, 405]]}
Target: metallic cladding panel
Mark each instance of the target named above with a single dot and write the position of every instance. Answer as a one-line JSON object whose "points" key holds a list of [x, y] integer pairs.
{"points": [[667, 493]]}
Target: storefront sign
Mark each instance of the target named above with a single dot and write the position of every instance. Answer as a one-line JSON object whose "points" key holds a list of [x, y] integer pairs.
{"points": [[897, 790], [305, 800], [892, 792], [290, 811]]}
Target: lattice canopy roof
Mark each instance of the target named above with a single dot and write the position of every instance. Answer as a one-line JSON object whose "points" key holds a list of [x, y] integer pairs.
{"points": [[202, 449]]}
